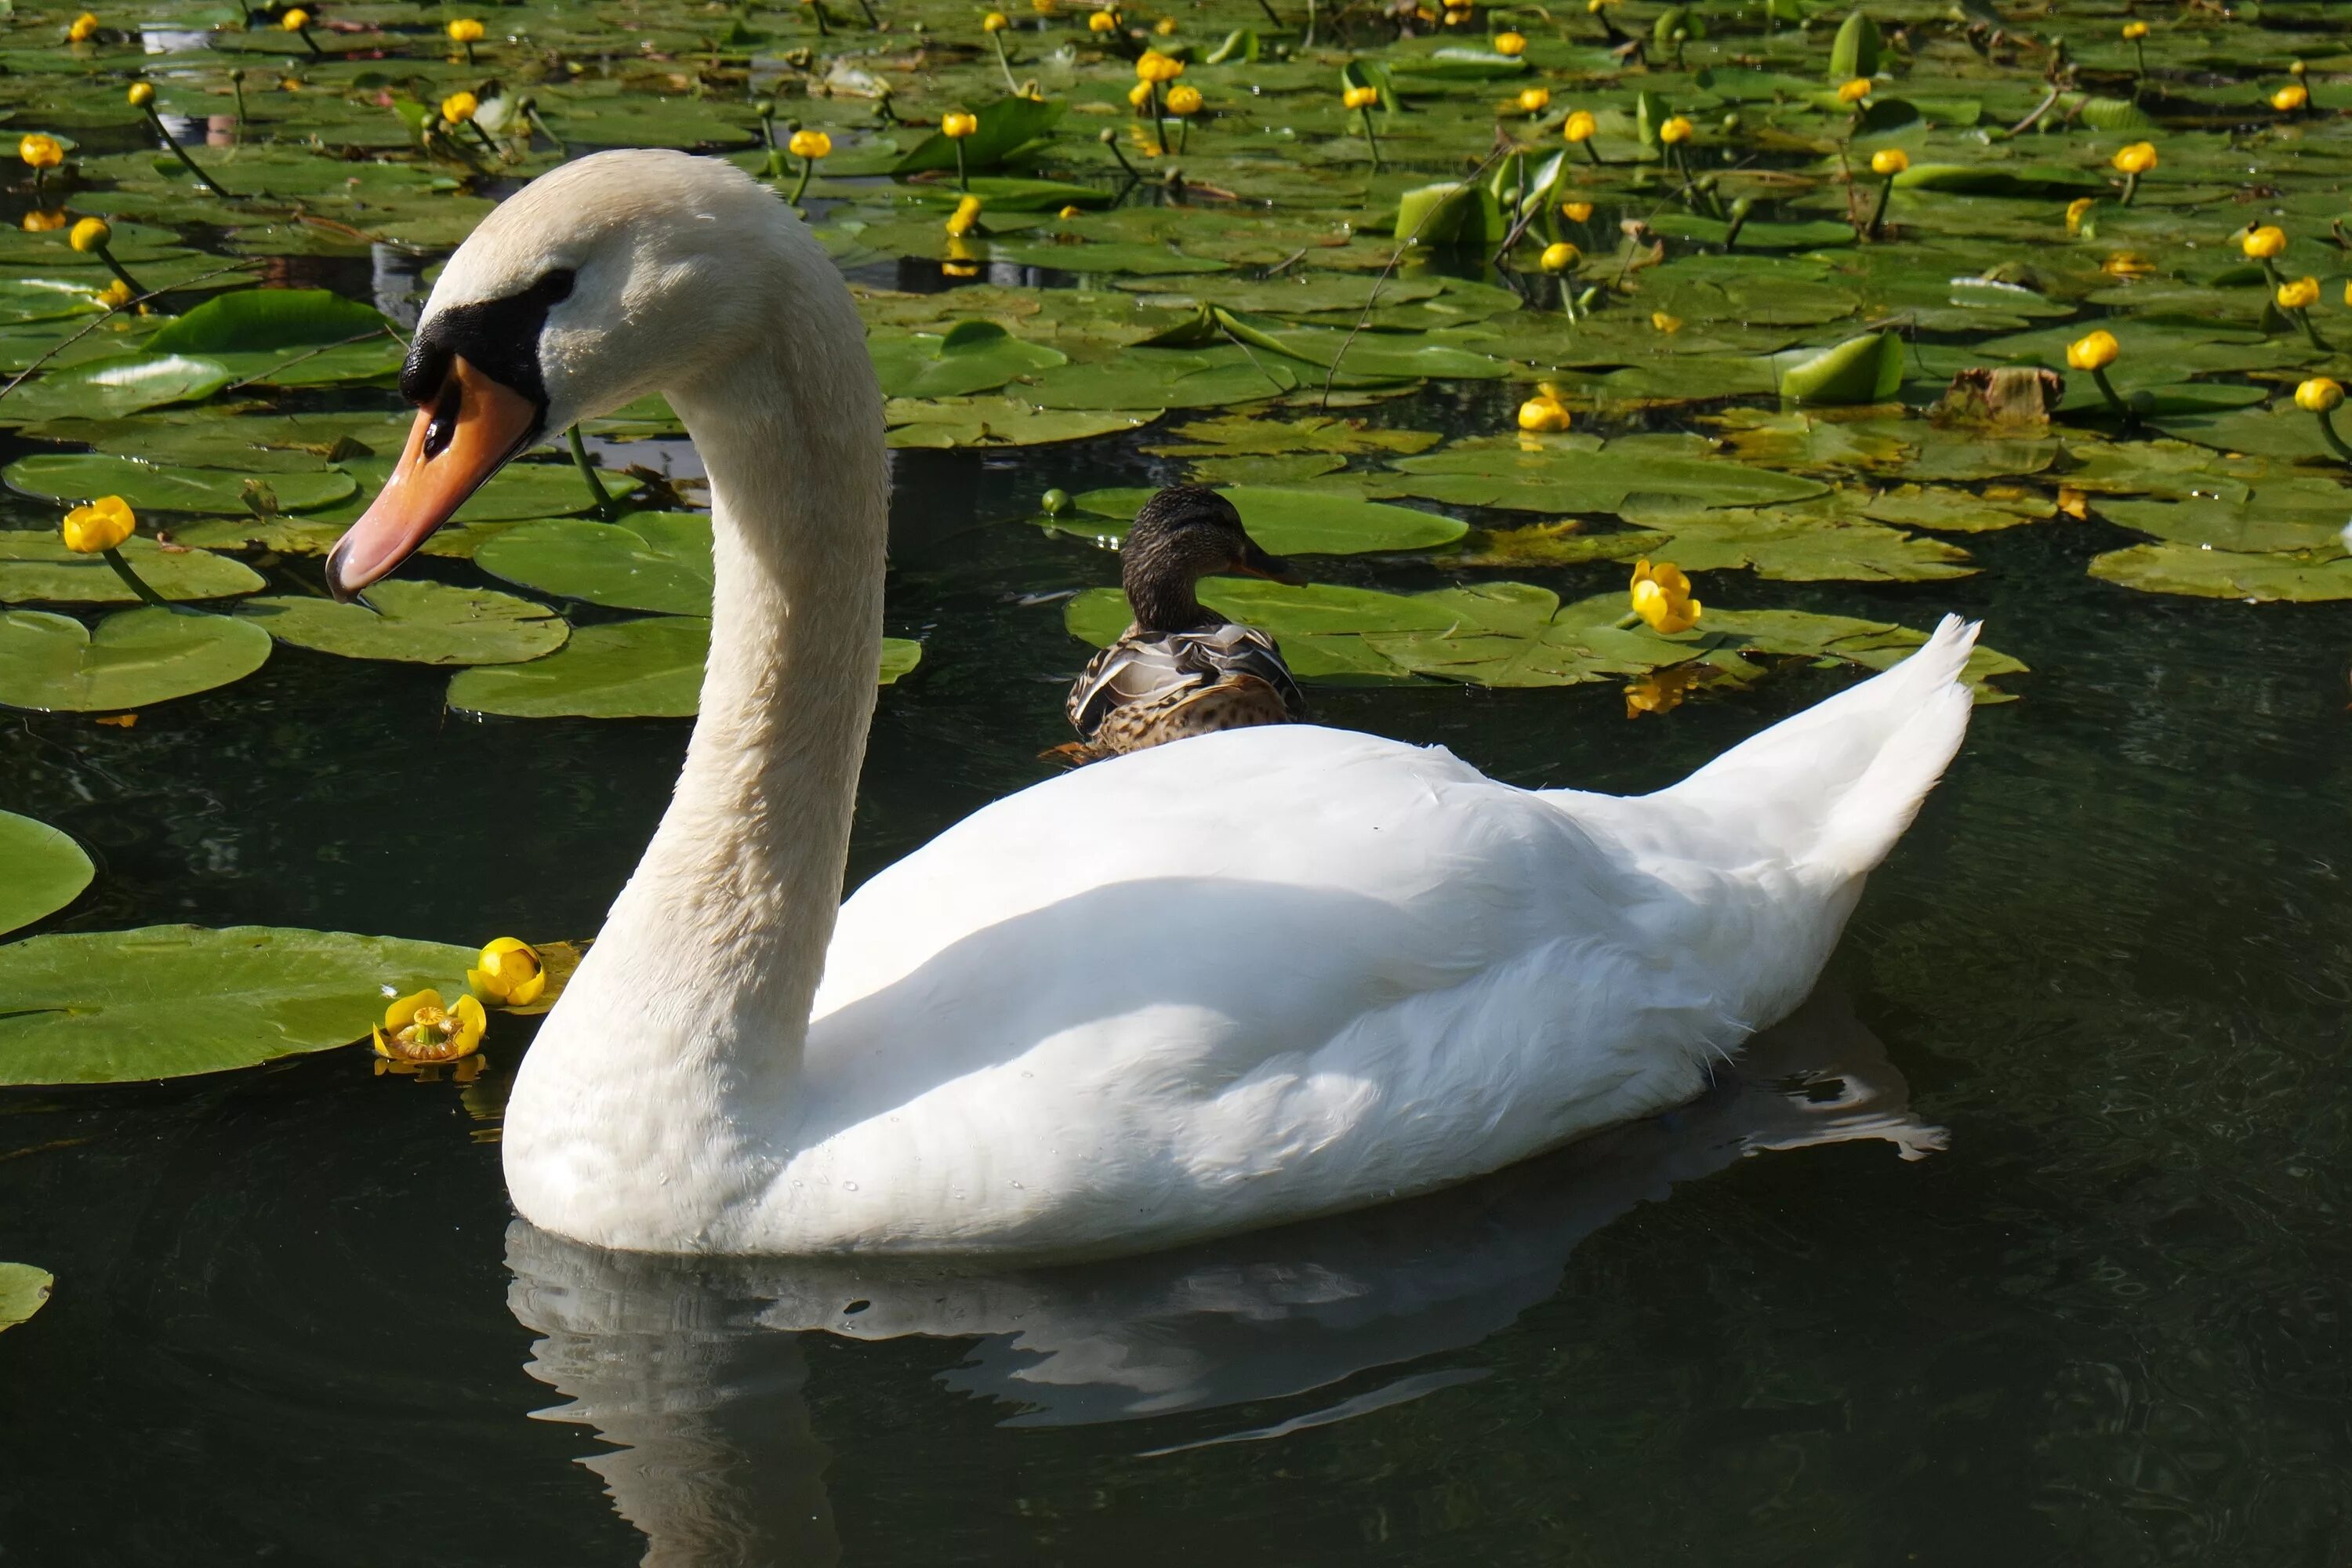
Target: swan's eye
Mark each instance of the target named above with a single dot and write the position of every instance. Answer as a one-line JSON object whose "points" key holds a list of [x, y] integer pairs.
{"points": [[555, 286], [444, 425]]}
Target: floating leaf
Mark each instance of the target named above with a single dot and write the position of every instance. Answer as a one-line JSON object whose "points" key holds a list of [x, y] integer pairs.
{"points": [[41, 871], [23, 1290], [1307, 522], [648, 561], [1561, 478], [259, 318], [2204, 572], [35, 567], [171, 1000], [416, 622], [1861, 370], [152, 487], [1001, 422], [899, 658], [1006, 125], [53, 664], [649, 668], [109, 387], [973, 356]]}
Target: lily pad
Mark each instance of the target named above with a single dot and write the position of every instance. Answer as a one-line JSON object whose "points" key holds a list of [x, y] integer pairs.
{"points": [[258, 319], [649, 668], [1307, 522], [154, 487], [973, 356], [109, 387], [53, 664], [416, 622], [171, 1000], [2203, 572], [35, 567], [23, 1290], [41, 870], [648, 561], [1003, 422]]}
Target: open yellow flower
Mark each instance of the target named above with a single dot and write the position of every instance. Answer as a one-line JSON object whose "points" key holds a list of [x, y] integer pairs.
{"points": [[1857, 90], [141, 95], [2096, 352], [1889, 161], [2319, 394], [2138, 158], [955, 125], [1359, 96], [91, 234], [1154, 67], [41, 151], [1579, 125], [1511, 44], [2264, 243], [1559, 256], [995, 22], [420, 1028], [809, 145], [465, 30], [2077, 210], [2290, 98], [459, 107], [294, 21], [1662, 596], [2135, 31], [1543, 415], [1535, 100], [1576, 211], [100, 526], [83, 28], [2298, 294], [1183, 100], [1674, 130], [965, 218], [512, 974]]}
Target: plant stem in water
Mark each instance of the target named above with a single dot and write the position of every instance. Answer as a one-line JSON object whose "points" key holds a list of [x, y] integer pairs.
{"points": [[588, 472], [138, 585]]}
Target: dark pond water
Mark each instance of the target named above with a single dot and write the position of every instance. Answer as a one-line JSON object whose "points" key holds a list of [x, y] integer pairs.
{"points": [[2106, 973]]}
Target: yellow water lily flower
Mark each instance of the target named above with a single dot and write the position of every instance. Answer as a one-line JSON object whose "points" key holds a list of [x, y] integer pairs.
{"points": [[1154, 67], [2135, 31], [2138, 158], [294, 21], [1579, 125], [2096, 352], [2319, 394], [1857, 90], [39, 222], [1889, 161], [465, 30], [1661, 321], [809, 145], [1511, 43], [511, 974], [141, 95], [100, 526], [1543, 416], [1535, 100], [2263, 243], [1069, 212], [1102, 22], [1183, 100], [965, 218], [955, 125], [1359, 96], [2078, 209], [1674, 130], [114, 296], [1165, 27], [1662, 596], [459, 107], [83, 28], [2290, 98], [420, 1028], [41, 151], [1559, 256], [2126, 263], [2298, 294], [995, 22], [1576, 211], [1139, 94], [91, 234]]}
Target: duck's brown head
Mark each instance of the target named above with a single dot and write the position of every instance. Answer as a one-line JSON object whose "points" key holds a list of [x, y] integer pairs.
{"points": [[1182, 534]]}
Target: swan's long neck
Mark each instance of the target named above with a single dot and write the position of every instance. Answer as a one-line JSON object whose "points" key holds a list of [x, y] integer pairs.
{"points": [[721, 934]]}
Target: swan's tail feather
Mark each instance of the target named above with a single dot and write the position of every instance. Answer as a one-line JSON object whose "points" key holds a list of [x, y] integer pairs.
{"points": [[1834, 788]]}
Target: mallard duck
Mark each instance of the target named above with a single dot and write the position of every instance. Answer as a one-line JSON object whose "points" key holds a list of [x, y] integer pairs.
{"points": [[1370, 971], [1181, 668]]}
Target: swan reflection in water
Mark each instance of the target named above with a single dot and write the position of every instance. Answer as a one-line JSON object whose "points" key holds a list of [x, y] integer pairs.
{"points": [[693, 1367]]}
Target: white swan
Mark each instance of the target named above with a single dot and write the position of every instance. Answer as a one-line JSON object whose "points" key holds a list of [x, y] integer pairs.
{"points": [[1375, 972]]}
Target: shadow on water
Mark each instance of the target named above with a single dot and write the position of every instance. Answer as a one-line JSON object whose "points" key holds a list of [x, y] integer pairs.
{"points": [[698, 1371]]}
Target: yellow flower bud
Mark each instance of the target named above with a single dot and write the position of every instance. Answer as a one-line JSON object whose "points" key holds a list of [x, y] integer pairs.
{"points": [[2135, 31], [1889, 161], [1044, 7], [1359, 96], [1559, 256], [1102, 22], [41, 151], [2319, 394], [49, 222], [114, 296], [511, 973], [2264, 243], [1661, 321], [2290, 98], [1579, 126], [1576, 211], [995, 22], [2076, 210], [1165, 27], [1069, 212], [1139, 94], [1855, 90], [965, 218], [808, 145], [1542, 416], [1154, 67], [1511, 44], [2096, 352], [103, 524], [955, 125], [2300, 294], [465, 30], [1182, 100], [141, 95], [2137, 159], [458, 108], [1674, 130], [89, 234], [294, 21], [1661, 595], [83, 28], [1535, 100]]}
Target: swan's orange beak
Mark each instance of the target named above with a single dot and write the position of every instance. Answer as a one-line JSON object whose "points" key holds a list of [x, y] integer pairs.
{"points": [[468, 434]]}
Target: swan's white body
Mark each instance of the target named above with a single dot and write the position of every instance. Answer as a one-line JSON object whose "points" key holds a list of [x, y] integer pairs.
{"points": [[1369, 970]]}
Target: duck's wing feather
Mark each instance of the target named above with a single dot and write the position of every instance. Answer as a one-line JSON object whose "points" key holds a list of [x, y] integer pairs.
{"points": [[1132, 671]]}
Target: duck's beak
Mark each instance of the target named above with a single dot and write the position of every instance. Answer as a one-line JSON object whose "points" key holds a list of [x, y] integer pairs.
{"points": [[1255, 563], [458, 442]]}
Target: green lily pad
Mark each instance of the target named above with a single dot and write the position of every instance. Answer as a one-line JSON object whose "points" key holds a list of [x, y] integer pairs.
{"points": [[109, 387], [899, 658], [53, 664], [649, 668], [1861, 370], [171, 1000], [1003, 422], [82, 476], [1306, 522], [260, 319], [41, 870], [973, 356], [648, 561], [416, 622], [2203, 572], [1556, 477], [35, 567], [1006, 126], [23, 1290], [515, 493]]}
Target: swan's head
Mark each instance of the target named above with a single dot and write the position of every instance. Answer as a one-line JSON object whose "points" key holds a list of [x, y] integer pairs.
{"points": [[599, 282]]}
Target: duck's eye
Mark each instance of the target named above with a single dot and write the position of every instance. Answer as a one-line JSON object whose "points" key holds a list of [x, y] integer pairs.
{"points": [[444, 425]]}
